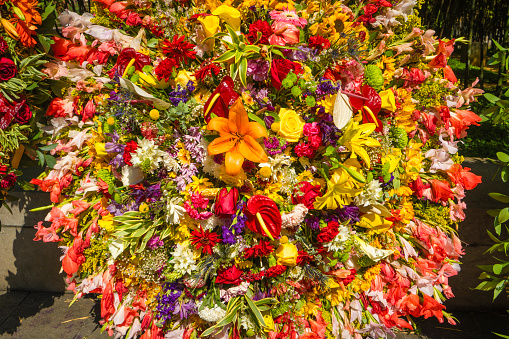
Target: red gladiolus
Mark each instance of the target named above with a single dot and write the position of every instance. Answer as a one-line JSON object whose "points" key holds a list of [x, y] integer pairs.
{"points": [[463, 176], [440, 61], [226, 202], [204, 239], [179, 49], [441, 190], [431, 307], [107, 302], [449, 74], [263, 216], [220, 101]]}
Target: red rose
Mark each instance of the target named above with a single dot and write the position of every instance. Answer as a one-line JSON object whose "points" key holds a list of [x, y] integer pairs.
{"points": [[280, 69], [7, 69], [8, 181], [24, 115], [264, 28], [275, 271], [226, 202], [8, 111], [133, 19], [305, 193], [229, 276], [319, 43]]}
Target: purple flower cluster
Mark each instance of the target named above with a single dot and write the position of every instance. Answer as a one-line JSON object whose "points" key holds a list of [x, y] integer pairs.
{"points": [[350, 212], [155, 242], [168, 301], [258, 69], [274, 146], [326, 87], [181, 94]]}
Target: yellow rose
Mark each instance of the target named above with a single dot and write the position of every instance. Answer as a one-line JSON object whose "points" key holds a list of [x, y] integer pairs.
{"points": [[184, 77], [286, 254], [291, 125]]}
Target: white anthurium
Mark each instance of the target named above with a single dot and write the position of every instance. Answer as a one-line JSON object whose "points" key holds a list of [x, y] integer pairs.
{"points": [[342, 112], [375, 254]]}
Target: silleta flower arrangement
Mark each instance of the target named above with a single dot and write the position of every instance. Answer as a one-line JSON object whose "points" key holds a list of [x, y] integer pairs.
{"points": [[256, 168]]}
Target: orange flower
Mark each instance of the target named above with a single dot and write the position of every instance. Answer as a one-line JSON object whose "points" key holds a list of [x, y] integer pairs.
{"points": [[26, 28], [237, 138]]}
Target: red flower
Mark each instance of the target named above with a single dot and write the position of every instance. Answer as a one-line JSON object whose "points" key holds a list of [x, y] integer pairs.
{"points": [[431, 307], [275, 271], [305, 193], [9, 110], [125, 57], [7, 69], [280, 69], [264, 248], [130, 147], [463, 176], [226, 202], [230, 275], [319, 43], [328, 233], [441, 190], [304, 258], [207, 70], [264, 28], [418, 187], [204, 239], [221, 99], [179, 49], [165, 69], [263, 216]]}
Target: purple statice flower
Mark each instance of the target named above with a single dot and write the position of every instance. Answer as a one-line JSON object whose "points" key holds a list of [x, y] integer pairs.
{"points": [[313, 222], [350, 212], [181, 94], [155, 242], [299, 54], [258, 69], [151, 193], [192, 144]]}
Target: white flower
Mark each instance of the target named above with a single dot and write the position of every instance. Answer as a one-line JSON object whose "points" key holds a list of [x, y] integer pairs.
{"points": [[174, 212], [210, 223], [183, 259], [212, 315], [370, 195], [277, 164], [131, 175], [440, 160], [147, 150], [337, 243], [170, 163]]}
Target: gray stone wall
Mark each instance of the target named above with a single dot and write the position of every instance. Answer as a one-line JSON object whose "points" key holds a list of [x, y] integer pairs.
{"points": [[26, 265]]}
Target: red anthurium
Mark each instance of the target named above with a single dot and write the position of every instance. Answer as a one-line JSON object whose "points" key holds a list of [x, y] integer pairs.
{"points": [[220, 101], [369, 107], [263, 216]]}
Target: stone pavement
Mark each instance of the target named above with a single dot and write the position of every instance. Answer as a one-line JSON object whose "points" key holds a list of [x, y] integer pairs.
{"points": [[32, 315]]}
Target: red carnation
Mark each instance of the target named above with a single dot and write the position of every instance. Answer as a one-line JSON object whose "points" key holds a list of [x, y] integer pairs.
{"points": [[304, 258], [204, 239], [264, 28], [305, 193], [207, 70], [130, 147], [179, 49], [275, 271], [165, 69], [328, 233], [319, 43]]}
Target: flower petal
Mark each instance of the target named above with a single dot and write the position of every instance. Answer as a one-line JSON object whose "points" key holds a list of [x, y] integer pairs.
{"points": [[256, 130], [221, 145], [219, 124], [251, 150], [233, 162], [238, 120]]}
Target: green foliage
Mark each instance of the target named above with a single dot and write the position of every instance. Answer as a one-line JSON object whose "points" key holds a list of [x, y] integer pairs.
{"points": [[485, 141]]}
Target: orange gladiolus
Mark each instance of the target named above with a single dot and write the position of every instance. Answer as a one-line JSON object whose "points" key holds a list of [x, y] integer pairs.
{"points": [[237, 138]]}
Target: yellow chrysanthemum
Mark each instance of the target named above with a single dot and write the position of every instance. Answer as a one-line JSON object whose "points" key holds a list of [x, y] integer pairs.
{"points": [[386, 64]]}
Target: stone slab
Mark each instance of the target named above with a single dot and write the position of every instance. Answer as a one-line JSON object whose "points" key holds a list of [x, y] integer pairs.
{"points": [[21, 215], [45, 315], [28, 265]]}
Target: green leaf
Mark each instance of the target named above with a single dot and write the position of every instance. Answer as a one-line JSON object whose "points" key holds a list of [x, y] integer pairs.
{"points": [[491, 98], [499, 46], [243, 72], [50, 160], [48, 10], [255, 311], [497, 268], [256, 118], [499, 288], [500, 197], [493, 213], [503, 216], [152, 42], [226, 56], [235, 37], [504, 174], [41, 158], [354, 174], [48, 147], [503, 157], [238, 56]]}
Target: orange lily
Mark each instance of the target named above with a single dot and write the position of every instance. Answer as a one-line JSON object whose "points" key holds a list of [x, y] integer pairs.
{"points": [[237, 138]]}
